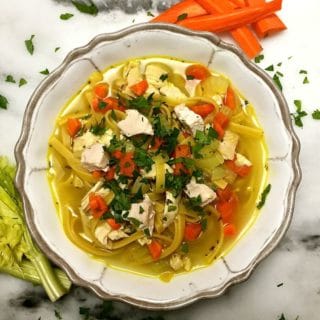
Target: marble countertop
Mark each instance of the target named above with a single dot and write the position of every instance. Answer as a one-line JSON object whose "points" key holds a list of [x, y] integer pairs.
{"points": [[288, 280]]}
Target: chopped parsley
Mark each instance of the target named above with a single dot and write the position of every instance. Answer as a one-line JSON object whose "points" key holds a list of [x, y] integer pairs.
{"points": [[270, 68], [85, 312], [280, 284], [102, 105], [142, 104], [164, 77], [202, 139], [305, 80], [204, 224], [115, 144], [299, 114], [282, 317], [279, 73], [147, 232], [150, 14], [29, 44], [22, 82], [3, 102], [141, 210], [182, 16], [259, 58], [190, 77], [185, 247], [172, 208], [86, 8], [135, 222], [195, 204], [142, 159], [279, 64], [57, 314], [316, 114], [176, 183], [10, 78], [66, 16], [277, 81], [263, 196], [99, 129], [45, 72], [56, 49], [303, 72]]}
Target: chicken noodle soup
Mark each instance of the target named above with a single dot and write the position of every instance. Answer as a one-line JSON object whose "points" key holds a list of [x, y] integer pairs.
{"points": [[156, 166]]}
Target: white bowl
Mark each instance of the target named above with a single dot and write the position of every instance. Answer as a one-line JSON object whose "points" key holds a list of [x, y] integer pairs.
{"points": [[65, 81]]}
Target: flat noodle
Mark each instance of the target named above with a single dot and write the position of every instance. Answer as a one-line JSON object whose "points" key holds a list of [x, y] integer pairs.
{"points": [[114, 245], [160, 175], [246, 131], [111, 123]]}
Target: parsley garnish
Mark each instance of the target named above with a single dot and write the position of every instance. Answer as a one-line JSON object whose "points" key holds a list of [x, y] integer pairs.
{"points": [[198, 174], [204, 224], [263, 196], [279, 73], [66, 16], [45, 72], [85, 8], [299, 114], [140, 103], [57, 314], [147, 232], [10, 78], [102, 105], [56, 49], [99, 129], [184, 247], [182, 16], [279, 64], [29, 44], [195, 204], [190, 77], [259, 58], [176, 183], [115, 144], [164, 77], [141, 210], [85, 312], [305, 80], [3, 102], [202, 139], [142, 159], [135, 222], [316, 114], [270, 68], [303, 72], [277, 81], [282, 317], [280, 284], [150, 14], [172, 208], [22, 82]]}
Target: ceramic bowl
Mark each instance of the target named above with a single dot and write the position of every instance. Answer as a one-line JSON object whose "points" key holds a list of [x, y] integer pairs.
{"points": [[65, 81]]}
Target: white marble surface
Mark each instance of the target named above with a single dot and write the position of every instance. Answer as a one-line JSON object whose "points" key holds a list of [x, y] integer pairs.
{"points": [[295, 263]]}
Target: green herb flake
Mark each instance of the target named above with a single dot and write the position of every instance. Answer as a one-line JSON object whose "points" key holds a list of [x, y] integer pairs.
{"points": [[3, 102], [280, 284], [316, 114], [190, 77], [299, 114], [142, 159], [172, 208], [22, 82], [141, 210], [263, 196], [282, 317], [185, 247], [259, 58], [85, 312], [305, 80], [57, 314], [45, 72], [182, 16], [10, 78], [277, 81], [279, 73], [150, 14], [29, 44], [164, 77], [279, 64], [66, 16], [270, 68], [56, 49], [204, 224], [147, 232], [99, 129], [303, 72], [102, 105], [86, 8]]}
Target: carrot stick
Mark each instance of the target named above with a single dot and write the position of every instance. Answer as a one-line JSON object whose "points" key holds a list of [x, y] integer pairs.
{"points": [[231, 20], [238, 3], [267, 25], [242, 35], [190, 8]]}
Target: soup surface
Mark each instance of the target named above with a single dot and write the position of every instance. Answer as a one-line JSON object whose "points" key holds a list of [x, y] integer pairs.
{"points": [[156, 166]]}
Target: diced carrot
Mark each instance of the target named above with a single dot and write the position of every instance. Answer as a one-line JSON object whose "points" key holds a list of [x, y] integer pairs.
{"points": [[267, 25], [231, 20], [238, 3], [227, 204], [155, 249], [117, 154], [220, 122], [101, 90], [127, 165], [181, 151], [140, 88], [156, 143], [229, 230], [203, 109], [190, 8], [241, 171], [73, 126], [113, 224], [230, 99], [109, 104], [242, 35], [110, 174], [197, 71], [192, 231], [97, 174], [97, 205], [95, 104]]}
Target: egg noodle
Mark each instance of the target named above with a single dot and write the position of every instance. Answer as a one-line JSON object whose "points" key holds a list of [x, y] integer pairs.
{"points": [[156, 166]]}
